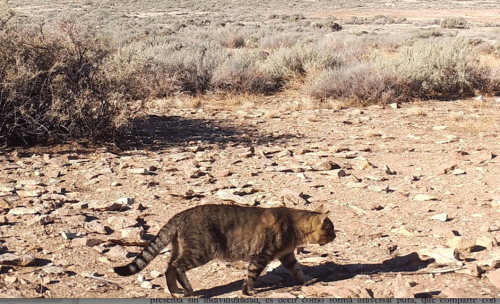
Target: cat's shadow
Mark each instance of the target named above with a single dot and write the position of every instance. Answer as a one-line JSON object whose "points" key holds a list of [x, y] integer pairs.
{"points": [[327, 272]]}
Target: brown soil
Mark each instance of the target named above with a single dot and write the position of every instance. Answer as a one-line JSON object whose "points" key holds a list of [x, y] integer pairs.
{"points": [[192, 154]]}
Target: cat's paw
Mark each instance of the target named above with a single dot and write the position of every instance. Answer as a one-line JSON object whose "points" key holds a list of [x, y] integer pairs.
{"points": [[177, 295], [247, 290]]}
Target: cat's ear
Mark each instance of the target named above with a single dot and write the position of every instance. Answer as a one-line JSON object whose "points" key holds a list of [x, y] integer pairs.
{"points": [[320, 209], [323, 216]]}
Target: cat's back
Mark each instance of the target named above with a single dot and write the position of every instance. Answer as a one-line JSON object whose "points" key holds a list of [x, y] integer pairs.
{"points": [[237, 231]]}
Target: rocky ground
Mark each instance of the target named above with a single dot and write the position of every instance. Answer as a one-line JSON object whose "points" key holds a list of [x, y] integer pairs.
{"points": [[414, 192]]}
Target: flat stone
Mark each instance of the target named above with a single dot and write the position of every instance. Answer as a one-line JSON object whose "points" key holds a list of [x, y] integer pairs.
{"points": [[222, 173], [494, 277], [481, 156], [485, 227], [461, 243], [400, 288], [487, 241], [68, 235], [132, 236], [439, 128], [147, 285], [32, 193], [10, 279], [7, 188], [142, 171], [403, 231], [43, 220], [155, 274], [442, 217], [458, 172], [22, 211], [241, 200], [120, 222], [363, 164], [293, 196], [442, 256], [442, 233], [10, 259], [95, 226], [117, 252], [126, 200], [323, 165]]}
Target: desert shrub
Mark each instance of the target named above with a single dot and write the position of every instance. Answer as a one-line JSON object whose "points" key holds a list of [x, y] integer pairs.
{"points": [[240, 72], [356, 20], [439, 67], [300, 59], [276, 41], [52, 87], [332, 26], [454, 23], [231, 39], [424, 34], [360, 82]]}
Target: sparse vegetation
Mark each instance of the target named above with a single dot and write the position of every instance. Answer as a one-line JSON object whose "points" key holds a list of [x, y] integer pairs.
{"points": [[79, 83], [52, 86], [454, 23]]}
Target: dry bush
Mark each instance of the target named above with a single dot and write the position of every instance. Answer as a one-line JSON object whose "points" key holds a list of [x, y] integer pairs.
{"points": [[52, 86], [417, 111], [358, 82], [299, 60], [240, 72], [454, 23], [158, 68], [441, 68], [276, 41], [231, 39], [423, 34]]}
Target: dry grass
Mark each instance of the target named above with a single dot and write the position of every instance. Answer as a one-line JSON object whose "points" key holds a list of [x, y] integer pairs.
{"points": [[457, 116], [417, 111], [204, 56]]}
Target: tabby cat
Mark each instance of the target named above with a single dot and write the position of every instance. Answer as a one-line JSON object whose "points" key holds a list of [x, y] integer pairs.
{"points": [[259, 235]]}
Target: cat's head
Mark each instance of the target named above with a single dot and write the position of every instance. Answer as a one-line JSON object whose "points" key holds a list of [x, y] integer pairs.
{"points": [[321, 229]]}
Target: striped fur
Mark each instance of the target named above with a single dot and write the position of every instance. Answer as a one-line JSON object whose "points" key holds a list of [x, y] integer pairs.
{"points": [[259, 235]]}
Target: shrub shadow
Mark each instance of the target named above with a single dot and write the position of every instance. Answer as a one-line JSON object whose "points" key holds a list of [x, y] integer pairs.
{"points": [[156, 132], [329, 272]]}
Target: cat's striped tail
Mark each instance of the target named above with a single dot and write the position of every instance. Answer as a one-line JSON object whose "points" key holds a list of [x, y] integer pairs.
{"points": [[154, 247]]}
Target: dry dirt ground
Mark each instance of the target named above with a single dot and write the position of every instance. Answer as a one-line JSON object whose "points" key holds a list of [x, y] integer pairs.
{"points": [[412, 190]]}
